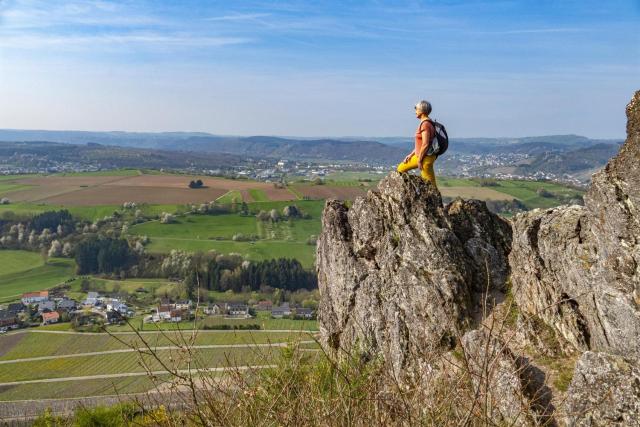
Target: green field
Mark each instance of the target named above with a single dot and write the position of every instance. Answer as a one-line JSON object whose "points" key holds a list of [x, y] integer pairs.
{"points": [[230, 197], [258, 195], [525, 191], [263, 319], [18, 346], [35, 344], [70, 389], [90, 213], [215, 232], [22, 271]]}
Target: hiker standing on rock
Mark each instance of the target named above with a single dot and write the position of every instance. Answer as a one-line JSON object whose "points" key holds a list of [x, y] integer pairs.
{"points": [[425, 153]]}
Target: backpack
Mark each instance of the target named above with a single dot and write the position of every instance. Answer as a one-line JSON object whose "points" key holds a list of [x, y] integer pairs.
{"points": [[440, 141]]}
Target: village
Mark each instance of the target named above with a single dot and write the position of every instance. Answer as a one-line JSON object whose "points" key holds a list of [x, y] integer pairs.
{"points": [[42, 308]]}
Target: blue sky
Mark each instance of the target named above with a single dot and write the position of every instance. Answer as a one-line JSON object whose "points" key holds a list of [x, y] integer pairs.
{"points": [[333, 68]]}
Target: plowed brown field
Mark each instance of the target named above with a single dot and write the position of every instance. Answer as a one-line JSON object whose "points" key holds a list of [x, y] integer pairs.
{"points": [[153, 189]]}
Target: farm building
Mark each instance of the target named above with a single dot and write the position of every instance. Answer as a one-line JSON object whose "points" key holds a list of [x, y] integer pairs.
{"points": [[16, 308], [8, 319], [213, 309], [238, 310], [305, 313], [92, 298], [67, 305], [281, 311], [184, 305], [265, 305], [46, 306], [35, 297], [51, 317]]}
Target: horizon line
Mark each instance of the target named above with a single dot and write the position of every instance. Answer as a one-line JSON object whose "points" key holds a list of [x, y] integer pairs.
{"points": [[316, 137]]}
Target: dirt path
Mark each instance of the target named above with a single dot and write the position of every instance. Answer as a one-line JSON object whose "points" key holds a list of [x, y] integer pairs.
{"points": [[132, 350]]}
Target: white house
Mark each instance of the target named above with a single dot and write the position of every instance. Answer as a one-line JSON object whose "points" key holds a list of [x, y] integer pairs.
{"points": [[115, 304], [163, 312], [183, 305], [238, 310], [35, 297], [92, 298]]}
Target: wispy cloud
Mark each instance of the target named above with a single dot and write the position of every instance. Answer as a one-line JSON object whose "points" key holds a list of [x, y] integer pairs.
{"points": [[34, 41], [239, 17], [532, 31]]}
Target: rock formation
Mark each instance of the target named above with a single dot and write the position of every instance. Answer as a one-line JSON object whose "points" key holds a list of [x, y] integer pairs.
{"points": [[400, 276], [578, 267], [605, 391], [398, 271]]}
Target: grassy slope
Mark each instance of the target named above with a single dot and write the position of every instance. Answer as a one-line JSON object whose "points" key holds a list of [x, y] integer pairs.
{"points": [[31, 274]]}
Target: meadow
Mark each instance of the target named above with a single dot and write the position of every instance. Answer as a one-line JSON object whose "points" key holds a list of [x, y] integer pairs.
{"points": [[24, 271], [286, 238]]}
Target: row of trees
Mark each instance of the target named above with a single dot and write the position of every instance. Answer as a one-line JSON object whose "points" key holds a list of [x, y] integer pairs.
{"points": [[225, 273], [53, 220]]}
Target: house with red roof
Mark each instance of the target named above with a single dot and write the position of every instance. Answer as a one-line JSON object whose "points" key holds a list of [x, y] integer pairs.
{"points": [[35, 297], [50, 317]]}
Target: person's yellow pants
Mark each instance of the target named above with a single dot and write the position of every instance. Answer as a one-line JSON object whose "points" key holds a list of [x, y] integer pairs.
{"points": [[426, 172]]}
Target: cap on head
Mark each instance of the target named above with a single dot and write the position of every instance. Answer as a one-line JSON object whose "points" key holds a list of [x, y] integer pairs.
{"points": [[424, 107]]}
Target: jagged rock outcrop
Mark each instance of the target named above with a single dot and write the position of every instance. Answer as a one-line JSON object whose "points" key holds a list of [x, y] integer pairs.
{"points": [[400, 277], [578, 267], [605, 391], [398, 271]]}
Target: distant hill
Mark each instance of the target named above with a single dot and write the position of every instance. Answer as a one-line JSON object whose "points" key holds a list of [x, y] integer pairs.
{"points": [[45, 154], [390, 150], [575, 162], [254, 146]]}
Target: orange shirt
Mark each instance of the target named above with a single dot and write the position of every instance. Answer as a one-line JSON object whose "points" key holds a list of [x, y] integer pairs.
{"points": [[425, 125]]}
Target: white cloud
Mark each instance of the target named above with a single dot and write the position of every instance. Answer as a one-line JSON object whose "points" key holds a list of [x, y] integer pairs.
{"points": [[239, 17], [35, 41]]}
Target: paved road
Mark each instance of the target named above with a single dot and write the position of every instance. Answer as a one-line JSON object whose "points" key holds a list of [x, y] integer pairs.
{"points": [[131, 350]]}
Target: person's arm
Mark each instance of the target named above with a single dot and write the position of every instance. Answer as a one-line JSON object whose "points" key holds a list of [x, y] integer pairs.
{"points": [[406, 159], [426, 142]]}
